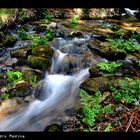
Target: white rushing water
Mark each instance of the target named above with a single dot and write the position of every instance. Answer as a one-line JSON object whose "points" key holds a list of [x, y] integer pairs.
{"points": [[60, 92]]}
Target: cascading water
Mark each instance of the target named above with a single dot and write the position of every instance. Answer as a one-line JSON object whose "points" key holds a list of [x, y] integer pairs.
{"points": [[60, 92]]}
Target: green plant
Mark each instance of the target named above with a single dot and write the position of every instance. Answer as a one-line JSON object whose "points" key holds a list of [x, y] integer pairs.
{"points": [[108, 128], [33, 80], [22, 34], [7, 95], [119, 32], [23, 15], [37, 40], [49, 35], [74, 21], [92, 107], [129, 90], [126, 45], [108, 67], [14, 76], [47, 18]]}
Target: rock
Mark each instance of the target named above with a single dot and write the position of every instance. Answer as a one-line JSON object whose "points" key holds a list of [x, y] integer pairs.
{"points": [[9, 106], [21, 52], [95, 71], [37, 62], [9, 40], [40, 28], [39, 90], [53, 128], [98, 37], [59, 33], [43, 51], [21, 89], [105, 51], [32, 75], [77, 34], [102, 84]]}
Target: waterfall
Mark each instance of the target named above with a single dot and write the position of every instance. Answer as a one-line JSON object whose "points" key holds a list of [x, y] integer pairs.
{"points": [[60, 92]]}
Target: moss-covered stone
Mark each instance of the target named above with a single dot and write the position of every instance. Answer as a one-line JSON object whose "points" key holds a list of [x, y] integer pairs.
{"points": [[43, 51], [102, 84], [21, 52], [38, 62], [103, 49], [9, 40], [31, 75], [21, 89], [95, 71]]}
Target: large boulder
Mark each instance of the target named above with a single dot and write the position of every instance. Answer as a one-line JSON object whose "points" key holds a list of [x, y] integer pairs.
{"points": [[102, 84], [43, 51], [37, 62]]}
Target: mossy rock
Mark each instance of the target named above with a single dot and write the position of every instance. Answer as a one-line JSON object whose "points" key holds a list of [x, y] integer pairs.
{"points": [[38, 62], [21, 89], [103, 49], [53, 128], [31, 75], [43, 51], [21, 52], [9, 40], [95, 71], [102, 84]]}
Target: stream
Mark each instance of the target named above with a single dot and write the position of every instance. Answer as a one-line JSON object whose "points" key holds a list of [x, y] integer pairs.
{"points": [[60, 90]]}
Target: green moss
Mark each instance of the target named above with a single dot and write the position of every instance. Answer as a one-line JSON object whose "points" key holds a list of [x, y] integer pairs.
{"points": [[38, 62], [43, 51], [9, 40]]}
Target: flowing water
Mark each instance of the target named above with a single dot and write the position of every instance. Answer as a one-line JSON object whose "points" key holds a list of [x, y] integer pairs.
{"points": [[60, 91]]}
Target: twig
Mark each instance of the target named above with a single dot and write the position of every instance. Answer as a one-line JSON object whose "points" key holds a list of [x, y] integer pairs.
{"points": [[130, 121]]}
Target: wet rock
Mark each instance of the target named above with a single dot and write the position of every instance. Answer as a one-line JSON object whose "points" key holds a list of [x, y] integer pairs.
{"points": [[21, 89], [59, 33], [95, 71], [77, 34], [102, 84], [40, 28], [98, 37], [53, 128], [43, 51], [32, 75], [9, 40], [37, 62], [38, 91], [105, 51]]}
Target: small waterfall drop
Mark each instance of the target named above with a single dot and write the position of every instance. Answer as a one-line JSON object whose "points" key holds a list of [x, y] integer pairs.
{"points": [[60, 92]]}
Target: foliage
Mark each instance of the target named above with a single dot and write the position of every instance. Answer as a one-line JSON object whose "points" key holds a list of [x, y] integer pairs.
{"points": [[129, 90], [47, 18], [108, 66], [23, 16], [49, 35], [7, 95], [92, 107], [108, 128], [136, 36], [33, 80], [37, 40], [22, 34], [74, 21], [14, 76], [119, 32], [126, 45]]}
